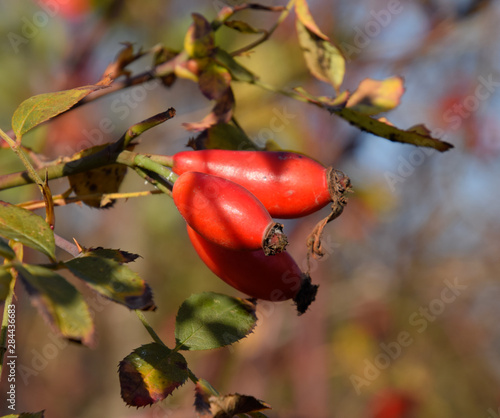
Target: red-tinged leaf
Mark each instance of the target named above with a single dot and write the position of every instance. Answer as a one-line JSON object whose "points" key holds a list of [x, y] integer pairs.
{"points": [[221, 113], [125, 57], [242, 27], [112, 280], [323, 58], [227, 406], [331, 104], [214, 81], [418, 135], [150, 373], [27, 228], [202, 393], [305, 17], [38, 109], [374, 96], [59, 302], [199, 40]]}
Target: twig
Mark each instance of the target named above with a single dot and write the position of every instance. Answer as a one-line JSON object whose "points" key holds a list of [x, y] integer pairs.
{"points": [[268, 33]]}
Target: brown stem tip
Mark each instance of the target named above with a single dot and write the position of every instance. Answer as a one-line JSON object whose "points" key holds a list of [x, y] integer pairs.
{"points": [[338, 185], [275, 239]]}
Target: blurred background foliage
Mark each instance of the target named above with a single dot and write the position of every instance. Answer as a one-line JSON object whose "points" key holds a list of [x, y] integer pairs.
{"points": [[417, 223]]}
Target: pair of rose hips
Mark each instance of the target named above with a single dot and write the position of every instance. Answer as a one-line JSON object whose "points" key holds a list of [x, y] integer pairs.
{"points": [[228, 199]]}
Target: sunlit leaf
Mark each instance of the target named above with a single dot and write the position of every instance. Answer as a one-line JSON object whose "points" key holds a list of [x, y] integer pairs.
{"points": [[211, 320], [150, 373], [324, 60], [6, 251], [374, 96], [27, 228], [112, 280], [304, 16], [419, 135], [59, 302], [199, 40], [38, 109]]}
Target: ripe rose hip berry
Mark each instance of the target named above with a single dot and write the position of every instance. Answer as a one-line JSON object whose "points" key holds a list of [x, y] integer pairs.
{"points": [[226, 214], [288, 184], [276, 278]]}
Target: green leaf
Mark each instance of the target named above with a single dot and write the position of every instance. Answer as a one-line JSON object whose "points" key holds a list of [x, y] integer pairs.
{"points": [[113, 280], [29, 229], [59, 302], [242, 27], [6, 251], [418, 135], [118, 255], [374, 96], [38, 109], [150, 373], [324, 60], [5, 279], [223, 136], [238, 72], [211, 320]]}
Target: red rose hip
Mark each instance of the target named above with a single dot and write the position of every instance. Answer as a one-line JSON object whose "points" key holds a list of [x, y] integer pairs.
{"points": [[276, 278], [288, 184], [226, 214]]}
